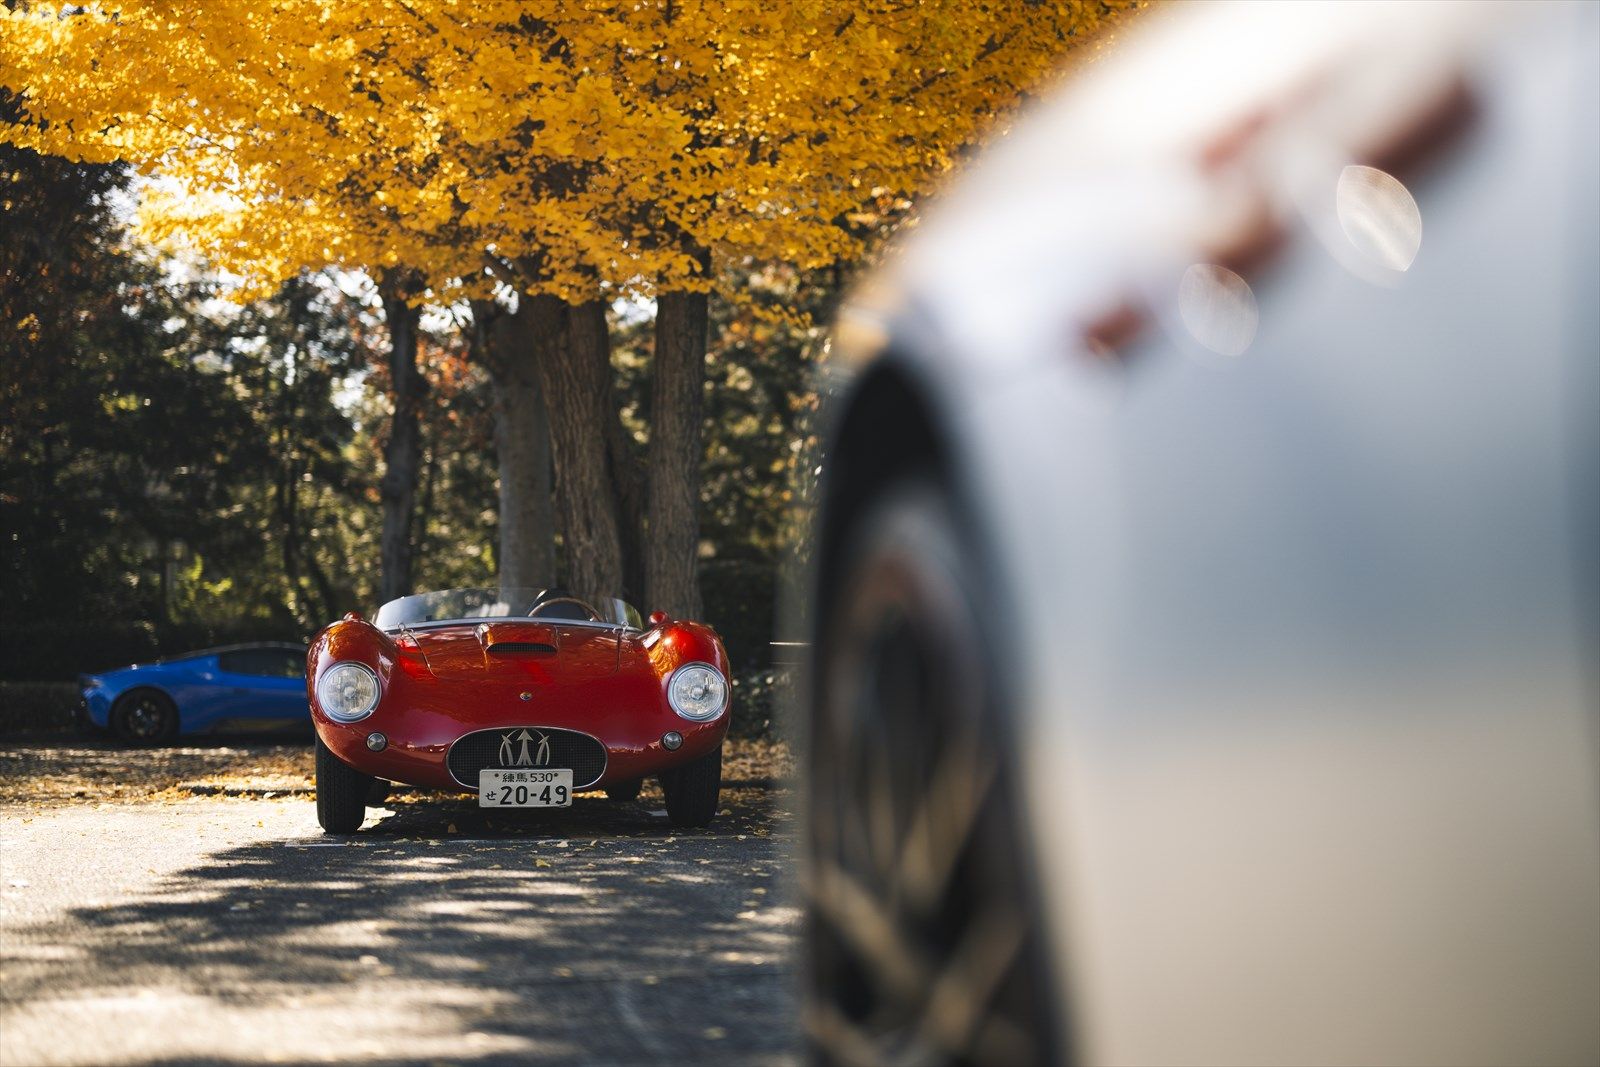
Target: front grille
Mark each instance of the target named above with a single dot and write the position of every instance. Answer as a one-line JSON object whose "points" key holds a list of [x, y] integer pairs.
{"points": [[506, 748], [521, 646]]}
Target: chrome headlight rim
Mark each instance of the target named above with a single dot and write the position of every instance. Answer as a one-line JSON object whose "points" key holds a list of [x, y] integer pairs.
{"points": [[345, 718], [672, 687]]}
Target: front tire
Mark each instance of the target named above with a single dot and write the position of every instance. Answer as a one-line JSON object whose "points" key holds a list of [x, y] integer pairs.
{"points": [[921, 941], [144, 717], [693, 790], [342, 793]]}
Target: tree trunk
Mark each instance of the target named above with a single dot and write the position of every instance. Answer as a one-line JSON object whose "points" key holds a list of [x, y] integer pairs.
{"points": [[590, 335], [574, 368], [674, 455], [505, 346], [627, 480], [398, 489], [422, 516]]}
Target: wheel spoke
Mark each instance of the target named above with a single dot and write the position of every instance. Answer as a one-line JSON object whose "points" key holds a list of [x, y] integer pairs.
{"points": [[919, 948], [844, 1042], [854, 1045], [898, 968], [866, 1044], [943, 823], [961, 994]]}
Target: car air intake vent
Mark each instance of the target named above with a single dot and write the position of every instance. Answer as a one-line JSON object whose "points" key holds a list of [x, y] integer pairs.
{"points": [[537, 647], [526, 746]]}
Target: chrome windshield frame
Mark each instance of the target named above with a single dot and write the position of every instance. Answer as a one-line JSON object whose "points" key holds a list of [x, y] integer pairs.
{"points": [[612, 611]]}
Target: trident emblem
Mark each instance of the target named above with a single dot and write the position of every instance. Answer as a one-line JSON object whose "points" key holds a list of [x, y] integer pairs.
{"points": [[541, 754]]}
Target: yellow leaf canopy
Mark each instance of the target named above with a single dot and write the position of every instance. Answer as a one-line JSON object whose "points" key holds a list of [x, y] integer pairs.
{"points": [[563, 146]]}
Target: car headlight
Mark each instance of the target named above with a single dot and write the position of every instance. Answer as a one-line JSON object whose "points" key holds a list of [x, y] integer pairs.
{"points": [[698, 691], [347, 691]]}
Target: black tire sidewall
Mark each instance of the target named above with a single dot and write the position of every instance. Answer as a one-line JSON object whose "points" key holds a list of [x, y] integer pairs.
{"points": [[119, 710], [623, 792], [693, 790], [342, 793], [911, 528]]}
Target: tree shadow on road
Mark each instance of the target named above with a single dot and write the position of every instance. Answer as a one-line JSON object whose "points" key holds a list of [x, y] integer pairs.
{"points": [[593, 935]]}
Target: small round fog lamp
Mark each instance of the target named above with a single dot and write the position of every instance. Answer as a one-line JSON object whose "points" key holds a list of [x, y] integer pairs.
{"points": [[671, 740], [377, 741]]}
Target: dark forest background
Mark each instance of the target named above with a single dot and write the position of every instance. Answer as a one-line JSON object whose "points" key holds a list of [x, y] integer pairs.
{"points": [[178, 471]]}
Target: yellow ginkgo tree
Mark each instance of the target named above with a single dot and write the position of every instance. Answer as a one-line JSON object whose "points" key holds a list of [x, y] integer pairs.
{"points": [[574, 151]]}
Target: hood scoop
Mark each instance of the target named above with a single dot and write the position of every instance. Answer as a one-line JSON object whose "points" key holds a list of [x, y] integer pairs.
{"points": [[519, 639], [520, 651]]}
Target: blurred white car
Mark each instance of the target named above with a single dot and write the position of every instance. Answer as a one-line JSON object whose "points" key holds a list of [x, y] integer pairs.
{"points": [[1206, 612]]}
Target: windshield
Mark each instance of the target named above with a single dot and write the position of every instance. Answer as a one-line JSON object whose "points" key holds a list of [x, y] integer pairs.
{"points": [[551, 604]]}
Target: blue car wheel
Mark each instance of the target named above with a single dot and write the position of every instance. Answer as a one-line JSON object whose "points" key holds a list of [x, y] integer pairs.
{"points": [[144, 717]]}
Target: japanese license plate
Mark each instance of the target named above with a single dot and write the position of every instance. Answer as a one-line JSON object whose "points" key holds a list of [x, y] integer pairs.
{"points": [[525, 788]]}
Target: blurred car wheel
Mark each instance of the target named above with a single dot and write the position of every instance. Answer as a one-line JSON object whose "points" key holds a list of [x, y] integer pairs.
{"points": [[144, 717], [342, 793], [921, 939], [692, 790]]}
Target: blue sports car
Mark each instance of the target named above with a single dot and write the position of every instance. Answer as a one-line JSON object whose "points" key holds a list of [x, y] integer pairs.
{"points": [[255, 686]]}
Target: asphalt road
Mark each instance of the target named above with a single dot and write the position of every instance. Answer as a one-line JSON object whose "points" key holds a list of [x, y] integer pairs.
{"points": [[229, 929]]}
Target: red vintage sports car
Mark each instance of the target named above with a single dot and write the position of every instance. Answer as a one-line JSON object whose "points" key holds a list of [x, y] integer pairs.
{"points": [[524, 696]]}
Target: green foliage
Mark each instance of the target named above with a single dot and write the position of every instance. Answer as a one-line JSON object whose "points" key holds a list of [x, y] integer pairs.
{"points": [[177, 471], [278, 549], [762, 702], [457, 492], [91, 394], [759, 402]]}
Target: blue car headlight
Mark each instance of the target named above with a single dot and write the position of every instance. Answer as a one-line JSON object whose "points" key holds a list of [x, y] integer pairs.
{"points": [[348, 691], [698, 692]]}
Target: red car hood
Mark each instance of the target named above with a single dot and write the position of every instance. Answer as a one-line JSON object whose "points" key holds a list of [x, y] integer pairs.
{"points": [[513, 650]]}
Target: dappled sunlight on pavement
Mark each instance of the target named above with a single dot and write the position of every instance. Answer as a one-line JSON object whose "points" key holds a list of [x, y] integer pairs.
{"points": [[231, 929]]}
